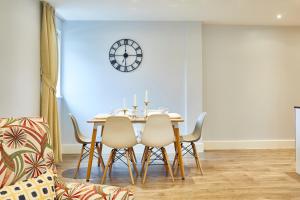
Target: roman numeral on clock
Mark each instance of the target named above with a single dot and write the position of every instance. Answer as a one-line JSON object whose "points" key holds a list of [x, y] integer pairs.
{"points": [[118, 67]]}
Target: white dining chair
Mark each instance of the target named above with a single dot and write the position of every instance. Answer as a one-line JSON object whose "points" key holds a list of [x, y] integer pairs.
{"points": [[190, 139], [118, 134], [85, 142], [158, 133]]}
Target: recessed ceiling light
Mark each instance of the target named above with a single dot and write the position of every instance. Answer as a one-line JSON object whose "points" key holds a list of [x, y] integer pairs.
{"points": [[279, 16]]}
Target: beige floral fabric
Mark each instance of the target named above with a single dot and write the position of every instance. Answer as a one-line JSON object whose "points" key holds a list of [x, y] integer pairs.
{"points": [[25, 149], [26, 152], [82, 191]]}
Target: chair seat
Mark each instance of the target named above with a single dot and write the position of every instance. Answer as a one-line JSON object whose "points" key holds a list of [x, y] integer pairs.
{"points": [[189, 138], [86, 140]]}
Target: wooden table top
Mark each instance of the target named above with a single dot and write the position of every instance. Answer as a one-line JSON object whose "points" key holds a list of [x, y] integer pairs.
{"points": [[133, 120]]}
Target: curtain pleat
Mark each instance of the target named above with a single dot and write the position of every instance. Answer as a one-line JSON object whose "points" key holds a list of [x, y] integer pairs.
{"points": [[49, 75]]}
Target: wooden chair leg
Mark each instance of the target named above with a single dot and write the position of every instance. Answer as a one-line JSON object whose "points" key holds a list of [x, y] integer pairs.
{"points": [[168, 163], [176, 168], [129, 167], [198, 163], [175, 161], [165, 162], [109, 162], [147, 160], [79, 160], [98, 151], [131, 153], [100, 156], [112, 162], [144, 159]]}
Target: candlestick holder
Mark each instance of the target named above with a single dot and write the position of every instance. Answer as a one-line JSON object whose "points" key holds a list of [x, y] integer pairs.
{"points": [[124, 110], [134, 111], [146, 108]]}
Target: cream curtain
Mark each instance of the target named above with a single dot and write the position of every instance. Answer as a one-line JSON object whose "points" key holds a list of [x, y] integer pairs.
{"points": [[49, 70]]}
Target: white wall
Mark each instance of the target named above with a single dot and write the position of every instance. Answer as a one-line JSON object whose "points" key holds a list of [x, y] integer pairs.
{"points": [[297, 122], [251, 84], [171, 70], [19, 58]]}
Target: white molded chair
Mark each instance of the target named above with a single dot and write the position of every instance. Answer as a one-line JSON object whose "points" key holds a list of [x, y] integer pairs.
{"points": [[158, 132], [191, 139], [84, 141], [118, 134]]}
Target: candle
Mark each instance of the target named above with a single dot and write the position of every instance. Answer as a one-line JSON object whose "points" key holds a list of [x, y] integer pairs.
{"points": [[146, 96], [124, 103], [134, 100]]}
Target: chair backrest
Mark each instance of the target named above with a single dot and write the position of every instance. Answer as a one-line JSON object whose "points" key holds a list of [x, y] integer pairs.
{"points": [[199, 124], [118, 132], [158, 131], [25, 149], [78, 135]]}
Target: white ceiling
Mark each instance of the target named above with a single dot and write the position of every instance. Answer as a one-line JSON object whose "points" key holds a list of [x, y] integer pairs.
{"points": [[248, 12]]}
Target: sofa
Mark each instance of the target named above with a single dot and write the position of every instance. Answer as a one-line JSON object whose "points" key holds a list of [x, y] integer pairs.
{"points": [[26, 152]]}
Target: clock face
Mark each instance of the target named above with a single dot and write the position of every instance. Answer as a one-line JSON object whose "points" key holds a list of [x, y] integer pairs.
{"points": [[125, 55]]}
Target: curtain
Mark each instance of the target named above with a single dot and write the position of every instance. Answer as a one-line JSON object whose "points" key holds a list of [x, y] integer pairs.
{"points": [[49, 74]]}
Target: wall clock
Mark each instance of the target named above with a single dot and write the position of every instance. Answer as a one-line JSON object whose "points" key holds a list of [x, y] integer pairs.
{"points": [[125, 55]]}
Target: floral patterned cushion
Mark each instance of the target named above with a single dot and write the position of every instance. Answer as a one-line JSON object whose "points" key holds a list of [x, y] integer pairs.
{"points": [[26, 152], [25, 149], [83, 191]]}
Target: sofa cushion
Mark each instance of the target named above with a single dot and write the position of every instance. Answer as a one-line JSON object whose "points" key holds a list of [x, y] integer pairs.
{"points": [[26, 152], [87, 191], [41, 187], [25, 149]]}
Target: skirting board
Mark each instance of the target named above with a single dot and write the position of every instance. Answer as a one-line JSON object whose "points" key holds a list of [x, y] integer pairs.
{"points": [[138, 149], [207, 145], [248, 144]]}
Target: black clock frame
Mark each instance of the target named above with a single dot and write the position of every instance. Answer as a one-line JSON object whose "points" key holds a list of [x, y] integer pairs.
{"points": [[138, 55]]}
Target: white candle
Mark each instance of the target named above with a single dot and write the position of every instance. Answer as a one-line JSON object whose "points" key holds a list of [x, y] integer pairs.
{"points": [[124, 103], [146, 96], [134, 100]]}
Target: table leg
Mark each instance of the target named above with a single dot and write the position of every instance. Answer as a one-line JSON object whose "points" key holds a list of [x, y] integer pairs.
{"points": [[179, 151], [91, 156]]}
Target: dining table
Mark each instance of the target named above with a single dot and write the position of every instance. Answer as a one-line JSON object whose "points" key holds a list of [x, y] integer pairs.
{"points": [[99, 121]]}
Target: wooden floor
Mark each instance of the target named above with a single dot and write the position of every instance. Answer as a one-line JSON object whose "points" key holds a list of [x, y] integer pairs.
{"points": [[234, 174]]}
